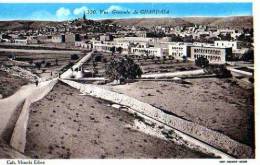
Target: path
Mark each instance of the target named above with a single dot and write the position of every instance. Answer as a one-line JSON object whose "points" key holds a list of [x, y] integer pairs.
{"points": [[10, 111], [40, 51]]}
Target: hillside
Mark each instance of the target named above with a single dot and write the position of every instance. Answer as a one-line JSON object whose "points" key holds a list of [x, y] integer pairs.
{"points": [[20, 25], [237, 22], [232, 22], [149, 22]]}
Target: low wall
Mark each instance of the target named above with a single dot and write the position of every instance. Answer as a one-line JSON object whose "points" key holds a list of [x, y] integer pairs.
{"points": [[240, 72], [18, 139], [174, 74], [210, 137]]}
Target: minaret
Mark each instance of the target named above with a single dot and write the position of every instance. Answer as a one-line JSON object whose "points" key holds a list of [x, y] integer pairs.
{"points": [[84, 16]]}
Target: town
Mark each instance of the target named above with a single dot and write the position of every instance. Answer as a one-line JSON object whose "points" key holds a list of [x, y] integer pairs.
{"points": [[127, 88]]}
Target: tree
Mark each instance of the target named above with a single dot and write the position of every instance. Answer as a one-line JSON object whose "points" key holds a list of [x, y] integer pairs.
{"points": [[202, 62], [38, 65], [184, 58], [219, 70], [248, 56], [120, 50], [122, 68], [56, 61], [74, 57], [113, 49]]}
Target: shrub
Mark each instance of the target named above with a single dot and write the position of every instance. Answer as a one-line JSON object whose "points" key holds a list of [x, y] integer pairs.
{"points": [[220, 70], [74, 57], [202, 62], [48, 64]]}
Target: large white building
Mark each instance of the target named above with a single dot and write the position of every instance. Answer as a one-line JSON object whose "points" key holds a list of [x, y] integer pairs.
{"points": [[21, 41], [178, 50], [215, 55], [106, 46], [84, 45], [135, 40], [233, 44], [148, 51]]}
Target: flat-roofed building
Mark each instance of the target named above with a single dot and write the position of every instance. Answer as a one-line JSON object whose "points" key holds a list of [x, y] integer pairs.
{"points": [[106, 46], [179, 50], [151, 51], [234, 44], [56, 39], [135, 40], [21, 41], [83, 44], [215, 55]]}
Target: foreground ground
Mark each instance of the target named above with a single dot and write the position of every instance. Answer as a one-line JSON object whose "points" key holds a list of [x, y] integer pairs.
{"points": [[67, 125], [218, 104]]}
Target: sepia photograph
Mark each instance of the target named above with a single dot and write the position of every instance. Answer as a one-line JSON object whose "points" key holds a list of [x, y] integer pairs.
{"points": [[127, 80]]}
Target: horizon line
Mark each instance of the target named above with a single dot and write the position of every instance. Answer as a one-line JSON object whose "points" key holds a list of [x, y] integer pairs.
{"points": [[98, 19]]}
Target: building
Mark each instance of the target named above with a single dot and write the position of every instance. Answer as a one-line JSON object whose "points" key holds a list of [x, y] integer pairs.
{"points": [[141, 33], [106, 46], [68, 38], [179, 50], [21, 41], [234, 44], [148, 51], [83, 44], [105, 38], [56, 39], [135, 40], [215, 55]]}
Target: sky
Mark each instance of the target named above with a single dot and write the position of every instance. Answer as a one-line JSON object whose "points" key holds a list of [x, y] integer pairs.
{"points": [[69, 11]]}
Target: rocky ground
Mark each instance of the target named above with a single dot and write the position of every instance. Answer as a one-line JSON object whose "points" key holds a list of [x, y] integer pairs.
{"points": [[219, 104], [10, 84], [67, 125]]}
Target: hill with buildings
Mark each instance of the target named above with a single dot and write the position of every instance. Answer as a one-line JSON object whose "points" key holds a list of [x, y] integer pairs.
{"points": [[221, 22], [149, 22]]}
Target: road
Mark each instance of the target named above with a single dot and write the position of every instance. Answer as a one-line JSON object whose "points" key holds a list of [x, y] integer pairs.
{"points": [[9, 111], [40, 51], [69, 72]]}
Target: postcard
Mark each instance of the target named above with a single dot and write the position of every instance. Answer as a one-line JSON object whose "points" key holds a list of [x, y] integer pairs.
{"points": [[172, 80]]}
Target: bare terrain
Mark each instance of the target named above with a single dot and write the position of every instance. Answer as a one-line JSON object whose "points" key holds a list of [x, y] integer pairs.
{"points": [[76, 126], [10, 84], [219, 104], [51, 62]]}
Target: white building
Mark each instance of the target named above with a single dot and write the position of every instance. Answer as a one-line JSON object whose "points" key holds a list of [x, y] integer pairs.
{"points": [[106, 46], [215, 55], [21, 41], [135, 40], [56, 39], [83, 44], [151, 51], [233, 44], [179, 50]]}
